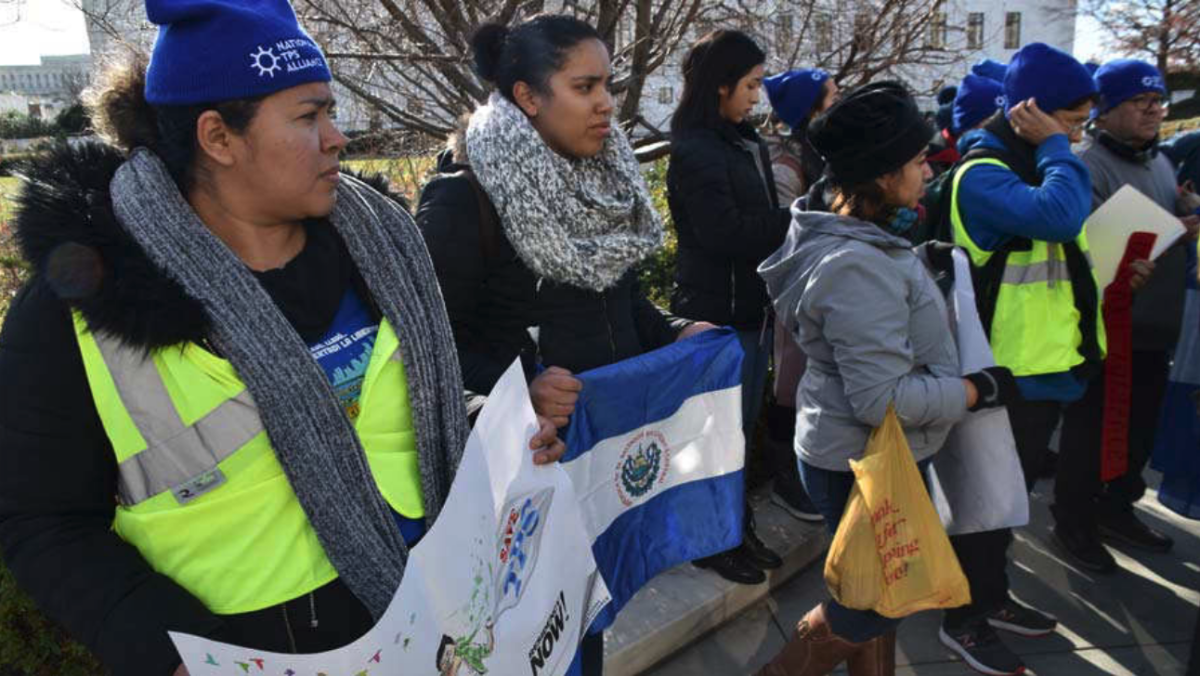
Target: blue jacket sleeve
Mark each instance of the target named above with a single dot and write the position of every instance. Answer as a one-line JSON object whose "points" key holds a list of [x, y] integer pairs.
{"points": [[996, 205]]}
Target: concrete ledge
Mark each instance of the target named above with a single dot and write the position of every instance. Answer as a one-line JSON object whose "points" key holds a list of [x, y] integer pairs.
{"points": [[685, 603]]}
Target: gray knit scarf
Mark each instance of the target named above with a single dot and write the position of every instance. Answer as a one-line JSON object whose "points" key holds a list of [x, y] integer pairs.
{"points": [[312, 437], [584, 221]]}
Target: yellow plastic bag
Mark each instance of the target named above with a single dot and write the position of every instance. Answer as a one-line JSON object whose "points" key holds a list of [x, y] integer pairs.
{"points": [[890, 553]]}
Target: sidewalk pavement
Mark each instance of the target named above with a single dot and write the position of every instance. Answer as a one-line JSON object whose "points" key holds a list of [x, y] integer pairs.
{"points": [[1138, 622]]}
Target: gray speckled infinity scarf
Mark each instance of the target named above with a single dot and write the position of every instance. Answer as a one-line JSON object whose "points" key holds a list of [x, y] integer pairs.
{"points": [[578, 221]]}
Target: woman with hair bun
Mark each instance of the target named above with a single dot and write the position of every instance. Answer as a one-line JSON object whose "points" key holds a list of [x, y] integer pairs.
{"points": [[537, 221], [233, 404]]}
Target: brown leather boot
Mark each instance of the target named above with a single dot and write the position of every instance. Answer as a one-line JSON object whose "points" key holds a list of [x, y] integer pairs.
{"points": [[814, 650], [876, 657]]}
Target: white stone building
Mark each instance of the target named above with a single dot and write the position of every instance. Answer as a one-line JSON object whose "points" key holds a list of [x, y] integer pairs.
{"points": [[44, 89], [971, 29]]}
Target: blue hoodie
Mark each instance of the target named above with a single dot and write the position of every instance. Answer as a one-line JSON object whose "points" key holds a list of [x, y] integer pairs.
{"points": [[996, 205]]}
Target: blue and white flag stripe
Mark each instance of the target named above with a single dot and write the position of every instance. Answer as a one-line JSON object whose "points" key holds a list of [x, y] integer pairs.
{"points": [[655, 451]]}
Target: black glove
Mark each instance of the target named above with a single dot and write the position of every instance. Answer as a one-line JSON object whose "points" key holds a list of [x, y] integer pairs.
{"points": [[996, 386]]}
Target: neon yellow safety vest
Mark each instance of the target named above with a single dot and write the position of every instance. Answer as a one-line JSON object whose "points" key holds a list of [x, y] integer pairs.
{"points": [[201, 493], [1035, 328]]}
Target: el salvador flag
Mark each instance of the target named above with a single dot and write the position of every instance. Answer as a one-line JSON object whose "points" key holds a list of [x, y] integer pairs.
{"points": [[655, 450], [1177, 443]]}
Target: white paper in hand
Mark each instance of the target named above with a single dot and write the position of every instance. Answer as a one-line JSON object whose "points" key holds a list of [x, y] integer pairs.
{"points": [[978, 484], [1109, 227], [504, 582]]}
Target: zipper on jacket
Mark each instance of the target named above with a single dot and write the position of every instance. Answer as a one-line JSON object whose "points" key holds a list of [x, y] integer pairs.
{"points": [[287, 625], [612, 342], [732, 292]]}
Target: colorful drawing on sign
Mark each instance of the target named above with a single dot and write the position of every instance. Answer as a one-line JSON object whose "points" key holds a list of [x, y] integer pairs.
{"points": [[211, 660], [453, 654], [375, 659], [518, 544], [244, 665], [258, 661]]}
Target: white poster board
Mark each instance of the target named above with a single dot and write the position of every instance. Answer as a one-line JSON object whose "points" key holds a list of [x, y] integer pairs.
{"points": [[977, 483], [1109, 227], [506, 573]]}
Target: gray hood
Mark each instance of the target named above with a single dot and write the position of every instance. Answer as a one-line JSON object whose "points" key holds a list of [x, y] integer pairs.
{"points": [[862, 307], [812, 236]]}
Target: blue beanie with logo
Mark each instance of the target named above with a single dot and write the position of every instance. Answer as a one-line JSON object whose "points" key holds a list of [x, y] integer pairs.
{"points": [[221, 50], [978, 97], [1047, 74], [1123, 79], [991, 69], [793, 94]]}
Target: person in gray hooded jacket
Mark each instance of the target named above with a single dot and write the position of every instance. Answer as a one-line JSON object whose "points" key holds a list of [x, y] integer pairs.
{"points": [[873, 322]]}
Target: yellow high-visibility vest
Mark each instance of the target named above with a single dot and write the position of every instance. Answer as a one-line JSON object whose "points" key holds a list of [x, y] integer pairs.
{"points": [[201, 493], [1035, 328]]}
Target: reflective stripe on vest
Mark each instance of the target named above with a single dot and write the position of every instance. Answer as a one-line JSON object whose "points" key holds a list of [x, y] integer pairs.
{"points": [[176, 456], [1035, 326], [203, 496]]}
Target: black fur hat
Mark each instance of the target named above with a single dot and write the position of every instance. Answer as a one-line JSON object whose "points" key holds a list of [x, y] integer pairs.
{"points": [[873, 131]]}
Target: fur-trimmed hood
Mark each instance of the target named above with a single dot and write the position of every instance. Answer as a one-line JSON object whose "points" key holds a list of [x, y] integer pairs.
{"points": [[66, 228]]}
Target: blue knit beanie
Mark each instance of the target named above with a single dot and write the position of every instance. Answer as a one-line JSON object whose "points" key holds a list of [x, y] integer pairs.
{"points": [[991, 69], [794, 94], [978, 97], [1050, 75], [222, 50], [1123, 79]]}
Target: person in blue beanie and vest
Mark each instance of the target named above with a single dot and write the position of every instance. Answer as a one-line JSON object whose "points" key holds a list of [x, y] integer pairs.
{"points": [[233, 400], [1122, 149], [1018, 203], [796, 97]]}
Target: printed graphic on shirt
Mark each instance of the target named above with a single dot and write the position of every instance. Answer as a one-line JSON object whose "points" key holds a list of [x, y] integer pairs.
{"points": [[344, 351]]}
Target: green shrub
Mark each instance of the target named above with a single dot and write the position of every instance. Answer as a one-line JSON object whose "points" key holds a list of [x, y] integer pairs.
{"points": [[658, 272], [30, 645], [19, 125]]}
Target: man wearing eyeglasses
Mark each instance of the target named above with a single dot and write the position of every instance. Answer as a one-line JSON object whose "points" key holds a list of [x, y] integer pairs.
{"points": [[1122, 149]]}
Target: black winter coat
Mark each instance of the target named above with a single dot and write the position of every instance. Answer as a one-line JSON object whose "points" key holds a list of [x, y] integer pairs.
{"points": [[494, 299], [727, 221], [58, 472]]}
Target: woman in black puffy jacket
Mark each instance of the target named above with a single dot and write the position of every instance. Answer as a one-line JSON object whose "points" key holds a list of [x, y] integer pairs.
{"points": [[723, 203]]}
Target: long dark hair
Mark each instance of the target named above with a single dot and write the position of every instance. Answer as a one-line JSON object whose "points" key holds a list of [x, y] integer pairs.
{"points": [[529, 52], [122, 116], [716, 60]]}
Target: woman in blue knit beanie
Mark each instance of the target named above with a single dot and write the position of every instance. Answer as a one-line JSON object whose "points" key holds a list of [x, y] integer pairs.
{"points": [[226, 342]]}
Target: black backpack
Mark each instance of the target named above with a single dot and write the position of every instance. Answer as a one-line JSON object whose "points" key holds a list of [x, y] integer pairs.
{"points": [[937, 225]]}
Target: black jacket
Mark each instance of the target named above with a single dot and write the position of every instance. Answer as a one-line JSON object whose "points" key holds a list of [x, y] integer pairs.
{"points": [[727, 222], [58, 472], [494, 299]]}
